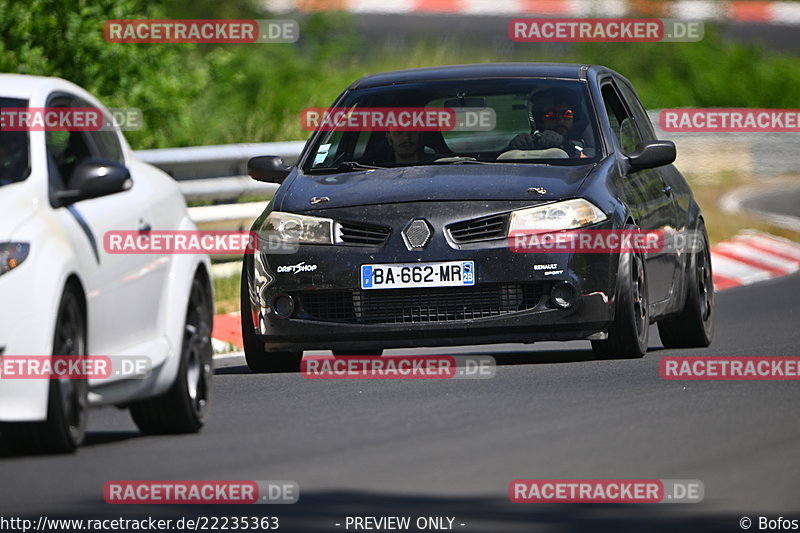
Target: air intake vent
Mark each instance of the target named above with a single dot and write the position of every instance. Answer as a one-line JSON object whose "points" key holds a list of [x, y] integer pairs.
{"points": [[479, 229], [358, 233], [443, 304]]}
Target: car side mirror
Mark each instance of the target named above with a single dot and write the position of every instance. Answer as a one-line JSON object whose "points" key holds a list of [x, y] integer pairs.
{"points": [[652, 154], [268, 168], [93, 178]]}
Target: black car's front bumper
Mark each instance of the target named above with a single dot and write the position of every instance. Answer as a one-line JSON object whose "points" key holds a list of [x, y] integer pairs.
{"points": [[510, 301]]}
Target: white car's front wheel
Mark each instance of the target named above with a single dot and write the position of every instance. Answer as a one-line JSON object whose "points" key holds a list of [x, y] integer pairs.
{"points": [[67, 405]]}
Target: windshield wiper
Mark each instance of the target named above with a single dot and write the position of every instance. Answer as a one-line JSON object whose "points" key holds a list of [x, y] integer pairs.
{"points": [[453, 161], [345, 166]]}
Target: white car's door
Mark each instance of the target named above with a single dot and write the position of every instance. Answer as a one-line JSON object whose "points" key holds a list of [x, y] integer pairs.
{"points": [[123, 290]]}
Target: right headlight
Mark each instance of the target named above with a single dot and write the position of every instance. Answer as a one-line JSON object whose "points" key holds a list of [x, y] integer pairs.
{"points": [[298, 229], [569, 214], [12, 254]]}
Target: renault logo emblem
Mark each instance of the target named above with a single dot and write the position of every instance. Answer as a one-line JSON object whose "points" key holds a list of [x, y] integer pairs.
{"points": [[417, 234]]}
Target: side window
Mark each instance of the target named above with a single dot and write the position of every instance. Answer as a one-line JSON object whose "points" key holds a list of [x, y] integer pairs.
{"points": [[107, 145], [65, 150], [106, 142], [645, 126], [628, 136], [621, 122]]}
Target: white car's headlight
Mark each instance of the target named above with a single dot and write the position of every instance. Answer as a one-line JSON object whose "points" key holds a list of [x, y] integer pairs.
{"points": [[12, 254], [568, 214], [299, 229]]}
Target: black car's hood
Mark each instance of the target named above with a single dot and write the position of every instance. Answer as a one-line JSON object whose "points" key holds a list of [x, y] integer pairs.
{"points": [[504, 181]]}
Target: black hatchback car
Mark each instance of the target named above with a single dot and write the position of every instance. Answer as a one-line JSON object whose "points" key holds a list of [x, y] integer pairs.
{"points": [[398, 234]]}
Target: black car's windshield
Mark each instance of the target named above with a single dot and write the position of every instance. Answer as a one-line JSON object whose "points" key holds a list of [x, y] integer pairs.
{"points": [[14, 152], [532, 120]]}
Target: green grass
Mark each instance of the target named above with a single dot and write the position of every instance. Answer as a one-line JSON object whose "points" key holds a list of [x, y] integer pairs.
{"points": [[226, 293]]}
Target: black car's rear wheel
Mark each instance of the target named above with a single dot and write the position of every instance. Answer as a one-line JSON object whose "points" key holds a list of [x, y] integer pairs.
{"points": [[694, 326], [258, 359], [628, 335]]}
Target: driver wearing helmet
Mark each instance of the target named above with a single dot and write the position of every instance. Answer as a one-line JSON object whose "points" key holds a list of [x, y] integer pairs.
{"points": [[552, 115]]}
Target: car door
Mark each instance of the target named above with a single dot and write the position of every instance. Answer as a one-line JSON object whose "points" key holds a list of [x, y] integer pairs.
{"points": [[645, 192], [122, 294]]}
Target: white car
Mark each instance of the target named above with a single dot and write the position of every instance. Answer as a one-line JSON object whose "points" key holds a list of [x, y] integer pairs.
{"points": [[62, 294]]}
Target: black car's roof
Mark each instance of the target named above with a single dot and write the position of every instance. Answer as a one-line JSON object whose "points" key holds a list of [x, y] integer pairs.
{"points": [[477, 71]]}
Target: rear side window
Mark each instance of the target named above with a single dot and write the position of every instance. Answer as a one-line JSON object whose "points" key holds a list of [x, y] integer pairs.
{"points": [[15, 162]]}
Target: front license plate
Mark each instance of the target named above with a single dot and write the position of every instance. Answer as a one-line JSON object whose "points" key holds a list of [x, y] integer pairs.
{"points": [[415, 275]]}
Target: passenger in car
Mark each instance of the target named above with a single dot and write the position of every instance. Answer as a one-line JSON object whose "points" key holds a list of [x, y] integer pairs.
{"points": [[406, 145]]}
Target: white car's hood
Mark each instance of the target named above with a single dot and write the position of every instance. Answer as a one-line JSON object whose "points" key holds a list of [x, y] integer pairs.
{"points": [[17, 205]]}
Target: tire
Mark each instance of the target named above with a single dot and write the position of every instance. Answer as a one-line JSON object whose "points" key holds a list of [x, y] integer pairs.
{"points": [[628, 335], [694, 326], [184, 407], [67, 404], [258, 359]]}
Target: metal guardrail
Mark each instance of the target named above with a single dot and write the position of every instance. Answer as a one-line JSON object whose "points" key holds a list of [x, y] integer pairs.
{"points": [[219, 172]]}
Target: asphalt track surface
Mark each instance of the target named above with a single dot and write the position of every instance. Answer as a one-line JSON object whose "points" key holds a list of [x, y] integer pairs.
{"points": [[784, 201], [450, 448]]}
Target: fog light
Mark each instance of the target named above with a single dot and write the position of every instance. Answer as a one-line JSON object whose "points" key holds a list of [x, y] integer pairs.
{"points": [[283, 305], [563, 295]]}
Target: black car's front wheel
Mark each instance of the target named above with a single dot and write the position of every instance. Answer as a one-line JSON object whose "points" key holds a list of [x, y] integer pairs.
{"points": [[694, 326], [628, 335], [258, 359], [184, 407]]}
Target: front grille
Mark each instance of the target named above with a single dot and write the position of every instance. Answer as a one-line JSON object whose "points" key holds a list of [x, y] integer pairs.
{"points": [[479, 229], [443, 304], [360, 233]]}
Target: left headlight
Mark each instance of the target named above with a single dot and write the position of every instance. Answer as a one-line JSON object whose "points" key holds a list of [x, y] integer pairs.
{"points": [[299, 229], [568, 214], [12, 254]]}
